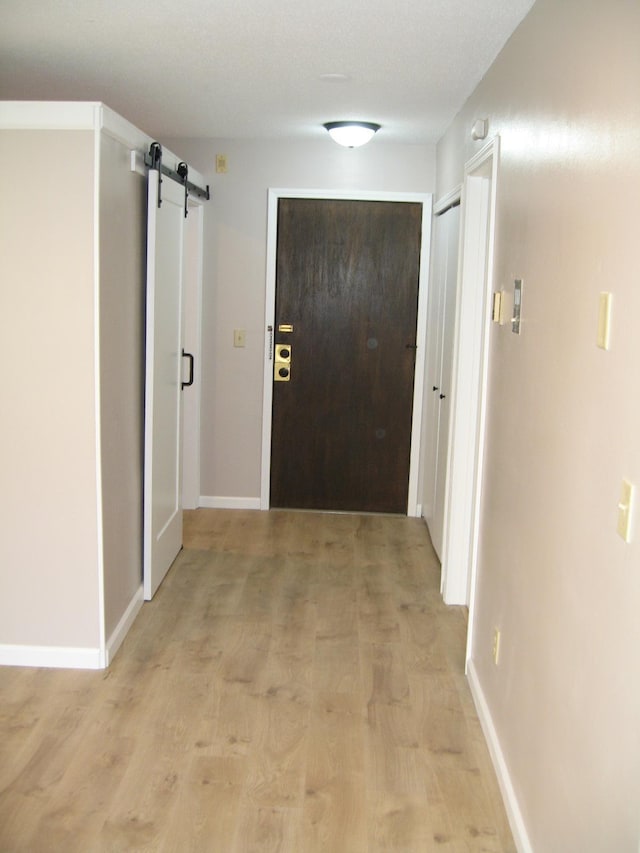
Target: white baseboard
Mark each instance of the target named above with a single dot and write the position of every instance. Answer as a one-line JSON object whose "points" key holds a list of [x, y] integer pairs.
{"points": [[512, 807], [60, 657], [229, 503], [71, 657], [122, 628]]}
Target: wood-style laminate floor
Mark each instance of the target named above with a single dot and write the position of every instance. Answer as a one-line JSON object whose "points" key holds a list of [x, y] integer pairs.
{"points": [[296, 685]]}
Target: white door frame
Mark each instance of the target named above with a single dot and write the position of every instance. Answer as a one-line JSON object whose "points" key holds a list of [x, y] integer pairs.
{"points": [[467, 426], [413, 508]]}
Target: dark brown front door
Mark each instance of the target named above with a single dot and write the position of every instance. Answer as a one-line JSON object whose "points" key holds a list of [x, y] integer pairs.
{"points": [[347, 285]]}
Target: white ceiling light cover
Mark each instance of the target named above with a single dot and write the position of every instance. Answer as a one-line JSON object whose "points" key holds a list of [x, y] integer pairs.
{"points": [[351, 134]]}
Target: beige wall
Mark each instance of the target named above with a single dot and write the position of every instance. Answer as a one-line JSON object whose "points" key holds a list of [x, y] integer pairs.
{"points": [[72, 379], [48, 548], [235, 268], [563, 422], [122, 277]]}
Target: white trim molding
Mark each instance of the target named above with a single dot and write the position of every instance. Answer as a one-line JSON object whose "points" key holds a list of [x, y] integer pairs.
{"points": [[97, 384], [215, 502], [426, 200], [122, 628], [512, 806], [448, 200], [71, 657], [82, 115], [55, 657], [48, 115]]}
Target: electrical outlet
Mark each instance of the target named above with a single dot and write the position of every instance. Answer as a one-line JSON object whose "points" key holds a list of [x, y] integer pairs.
{"points": [[496, 646]]}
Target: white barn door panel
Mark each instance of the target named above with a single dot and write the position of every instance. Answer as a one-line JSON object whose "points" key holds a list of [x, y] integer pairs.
{"points": [[191, 313], [163, 416]]}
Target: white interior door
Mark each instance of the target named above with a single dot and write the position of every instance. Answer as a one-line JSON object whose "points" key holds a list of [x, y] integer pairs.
{"points": [[433, 370], [163, 417], [191, 309], [450, 222]]}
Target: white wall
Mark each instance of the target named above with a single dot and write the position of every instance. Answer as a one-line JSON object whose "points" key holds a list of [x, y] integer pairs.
{"points": [[49, 556], [563, 425], [234, 276]]}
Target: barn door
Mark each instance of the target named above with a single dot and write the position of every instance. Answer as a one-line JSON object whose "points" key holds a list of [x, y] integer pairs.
{"points": [[162, 475], [347, 276]]}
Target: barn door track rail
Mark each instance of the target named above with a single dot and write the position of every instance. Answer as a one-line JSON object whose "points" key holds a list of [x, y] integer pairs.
{"points": [[153, 159]]}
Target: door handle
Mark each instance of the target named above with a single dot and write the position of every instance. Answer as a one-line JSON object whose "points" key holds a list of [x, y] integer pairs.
{"points": [[190, 380]]}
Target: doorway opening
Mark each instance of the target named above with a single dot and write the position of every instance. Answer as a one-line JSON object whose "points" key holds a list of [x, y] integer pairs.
{"points": [[335, 240], [467, 427]]}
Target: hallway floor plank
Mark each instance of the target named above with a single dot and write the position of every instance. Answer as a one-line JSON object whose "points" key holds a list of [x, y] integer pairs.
{"points": [[296, 685]]}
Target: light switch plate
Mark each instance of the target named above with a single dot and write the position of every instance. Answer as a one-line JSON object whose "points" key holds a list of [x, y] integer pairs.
{"points": [[604, 320], [496, 313], [625, 510]]}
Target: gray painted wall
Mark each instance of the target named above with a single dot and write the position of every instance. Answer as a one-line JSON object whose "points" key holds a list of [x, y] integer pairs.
{"points": [[563, 422]]}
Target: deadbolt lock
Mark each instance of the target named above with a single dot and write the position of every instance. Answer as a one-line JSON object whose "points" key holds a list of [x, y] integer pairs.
{"points": [[282, 364]]}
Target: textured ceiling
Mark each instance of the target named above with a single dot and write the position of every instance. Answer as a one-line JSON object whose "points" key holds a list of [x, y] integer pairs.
{"points": [[253, 68]]}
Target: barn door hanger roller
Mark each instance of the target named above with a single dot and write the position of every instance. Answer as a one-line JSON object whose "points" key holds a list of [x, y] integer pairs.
{"points": [[153, 159]]}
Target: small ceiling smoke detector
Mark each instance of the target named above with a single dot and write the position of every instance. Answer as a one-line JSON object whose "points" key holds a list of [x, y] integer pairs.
{"points": [[351, 134], [336, 77]]}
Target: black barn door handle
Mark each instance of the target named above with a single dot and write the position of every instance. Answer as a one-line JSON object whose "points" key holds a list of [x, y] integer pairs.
{"points": [[190, 380]]}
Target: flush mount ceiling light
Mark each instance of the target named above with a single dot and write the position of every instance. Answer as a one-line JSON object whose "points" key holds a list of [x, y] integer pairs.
{"points": [[351, 134]]}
